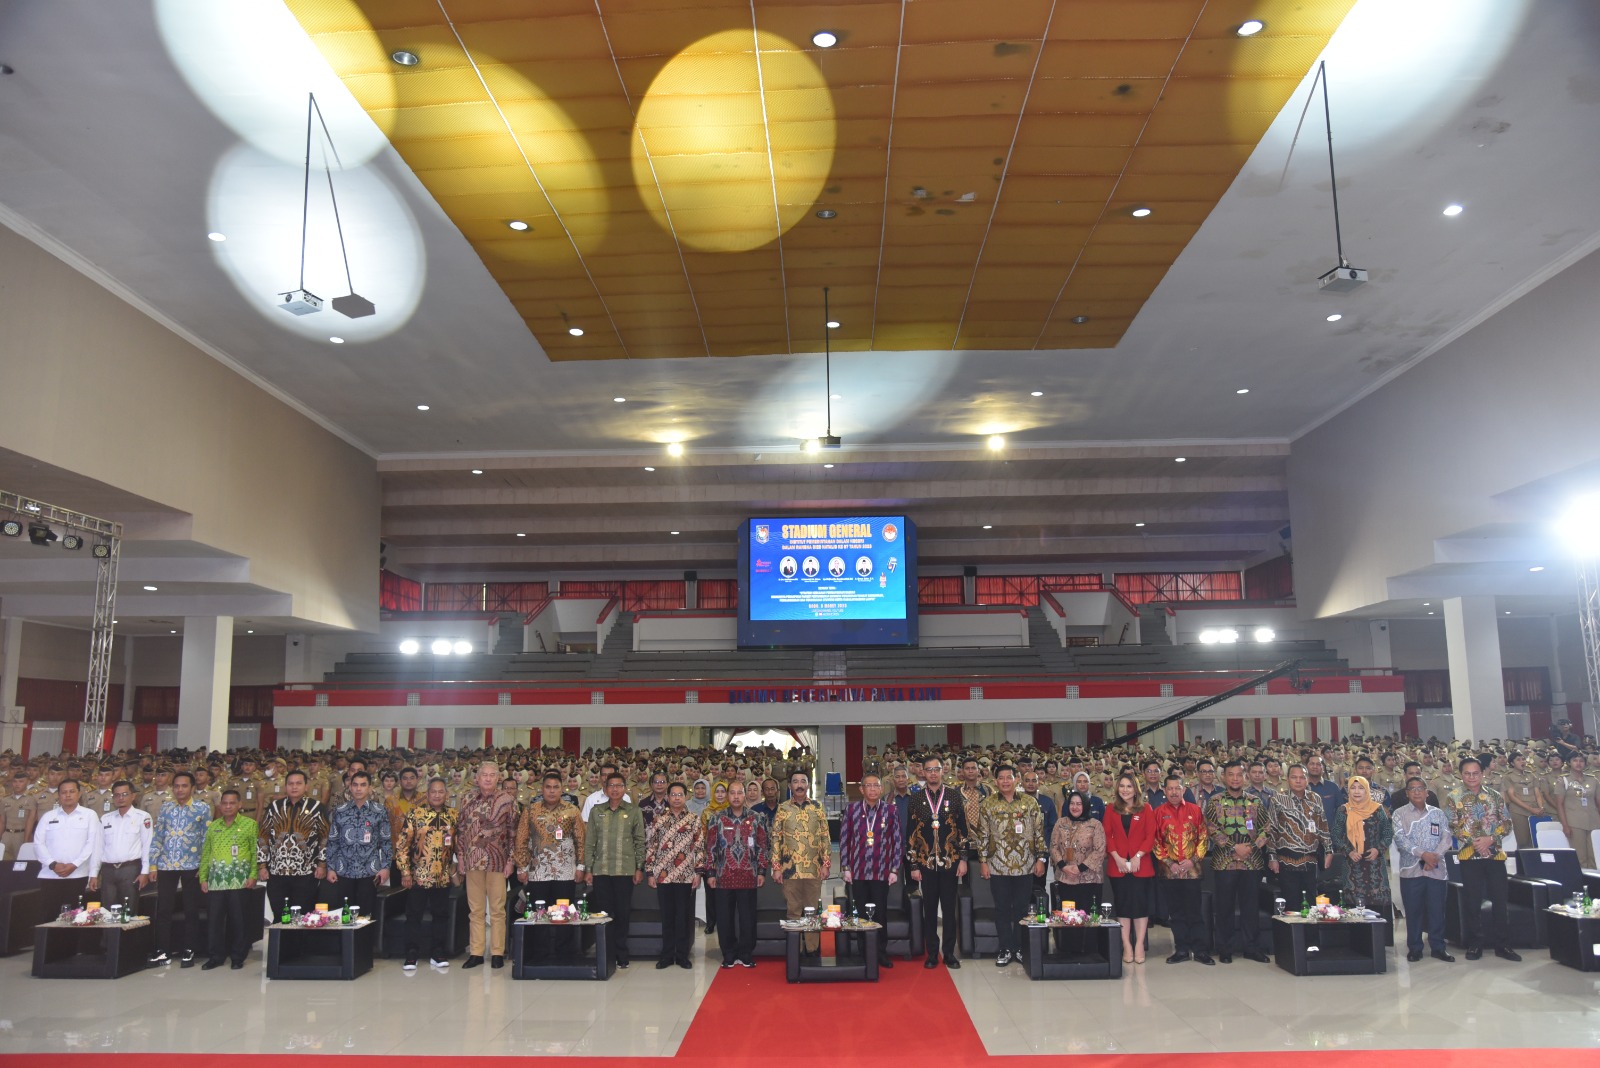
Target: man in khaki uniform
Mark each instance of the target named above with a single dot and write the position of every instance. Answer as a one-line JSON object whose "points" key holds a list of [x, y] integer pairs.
{"points": [[1580, 794], [160, 791], [19, 815], [1520, 788], [98, 799]]}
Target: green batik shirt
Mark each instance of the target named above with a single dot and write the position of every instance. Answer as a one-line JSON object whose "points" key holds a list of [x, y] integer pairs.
{"points": [[1010, 834], [1232, 821], [228, 854], [614, 841]]}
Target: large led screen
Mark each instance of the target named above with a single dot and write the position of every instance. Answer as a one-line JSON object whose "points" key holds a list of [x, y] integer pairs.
{"points": [[828, 580]]}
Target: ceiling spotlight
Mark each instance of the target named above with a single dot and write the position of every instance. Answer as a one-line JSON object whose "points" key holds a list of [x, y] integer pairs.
{"points": [[675, 532], [988, 526], [249, 632], [833, 324], [216, 236], [827, 467], [410, 647], [40, 534], [619, 400], [404, 58], [1537, 567], [1180, 459], [1242, 392], [1037, 393], [11, 528], [1227, 635], [150, 589], [1508, 611], [675, 448], [337, 340], [1208, 637], [521, 535], [72, 541], [824, 39], [1425, 604], [1079, 320], [463, 648], [1430, 613], [1452, 210], [101, 551], [172, 632], [649, 469], [1140, 213], [1335, 317], [827, 213], [441, 647], [477, 470], [1138, 524], [1264, 634], [1250, 27], [517, 224], [1579, 527], [422, 407], [575, 331], [996, 442]]}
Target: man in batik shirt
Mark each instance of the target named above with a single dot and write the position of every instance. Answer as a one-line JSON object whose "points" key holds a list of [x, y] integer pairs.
{"points": [[486, 837], [175, 839], [1479, 823], [1011, 851], [1180, 847], [227, 870], [292, 849], [736, 857], [870, 853], [360, 845], [801, 853], [936, 850], [1236, 825], [1298, 840], [549, 857], [674, 853], [426, 857]]}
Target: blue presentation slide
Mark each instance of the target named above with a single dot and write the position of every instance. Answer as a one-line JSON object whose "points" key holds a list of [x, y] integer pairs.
{"points": [[850, 568]]}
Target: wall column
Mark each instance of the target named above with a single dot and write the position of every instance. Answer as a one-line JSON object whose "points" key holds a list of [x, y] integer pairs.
{"points": [[10, 667], [203, 682], [1382, 657], [1477, 691]]}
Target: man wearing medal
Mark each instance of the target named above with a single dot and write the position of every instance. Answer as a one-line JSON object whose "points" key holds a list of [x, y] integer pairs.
{"points": [[936, 848], [869, 853]]}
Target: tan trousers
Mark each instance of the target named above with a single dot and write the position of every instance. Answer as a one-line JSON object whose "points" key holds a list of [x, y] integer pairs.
{"points": [[12, 840], [798, 895], [486, 890]]}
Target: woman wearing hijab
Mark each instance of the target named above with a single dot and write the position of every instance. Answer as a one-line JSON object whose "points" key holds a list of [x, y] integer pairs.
{"points": [[709, 810], [1362, 832], [1081, 784], [1078, 854], [700, 798]]}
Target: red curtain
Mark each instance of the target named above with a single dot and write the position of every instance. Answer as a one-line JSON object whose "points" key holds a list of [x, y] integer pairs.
{"points": [[939, 589], [572, 739], [619, 737], [719, 594], [518, 597], [905, 735], [434, 738], [1142, 588], [952, 734], [1235, 728], [269, 736], [1044, 736], [1272, 580], [455, 597], [1095, 733], [854, 752], [396, 593]]}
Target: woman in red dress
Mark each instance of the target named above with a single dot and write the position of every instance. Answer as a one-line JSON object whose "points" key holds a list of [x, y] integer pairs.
{"points": [[1130, 839]]}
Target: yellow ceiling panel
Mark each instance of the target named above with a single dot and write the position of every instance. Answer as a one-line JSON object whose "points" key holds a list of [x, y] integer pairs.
{"points": [[952, 206]]}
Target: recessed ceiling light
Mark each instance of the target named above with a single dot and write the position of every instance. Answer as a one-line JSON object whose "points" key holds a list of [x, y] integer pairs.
{"points": [[1426, 603], [827, 467], [1430, 613], [1079, 320], [988, 526], [151, 589], [477, 470], [1250, 27], [249, 632], [619, 400], [649, 469], [824, 39], [337, 340], [172, 632], [1037, 393], [1537, 567], [575, 331], [1335, 317], [1508, 611], [1140, 213], [1242, 392], [521, 535], [996, 442], [827, 213], [833, 324], [517, 224], [1452, 210], [215, 236], [422, 407], [675, 532], [1180, 459], [405, 58], [1138, 524], [675, 448]]}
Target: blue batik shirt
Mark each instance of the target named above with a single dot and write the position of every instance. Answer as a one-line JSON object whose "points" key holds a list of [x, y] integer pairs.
{"points": [[178, 833], [359, 842]]}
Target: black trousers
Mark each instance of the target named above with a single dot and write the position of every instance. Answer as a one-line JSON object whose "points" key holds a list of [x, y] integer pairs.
{"points": [[1183, 915], [874, 892], [939, 890], [358, 890], [53, 893], [1297, 884], [1236, 893], [289, 891], [613, 895], [711, 911], [677, 920], [544, 941], [172, 886], [435, 901], [736, 923], [1482, 879], [225, 934], [1011, 896]]}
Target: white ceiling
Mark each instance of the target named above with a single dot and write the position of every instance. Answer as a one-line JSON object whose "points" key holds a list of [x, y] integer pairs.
{"points": [[109, 157]]}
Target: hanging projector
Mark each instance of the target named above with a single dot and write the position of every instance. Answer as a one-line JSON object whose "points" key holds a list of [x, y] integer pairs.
{"points": [[300, 302], [829, 441], [354, 306], [1342, 279]]}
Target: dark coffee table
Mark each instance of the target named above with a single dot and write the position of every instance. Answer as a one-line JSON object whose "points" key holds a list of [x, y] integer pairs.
{"points": [[1059, 951], [333, 952], [1332, 947], [570, 961], [1574, 940], [95, 951], [854, 966]]}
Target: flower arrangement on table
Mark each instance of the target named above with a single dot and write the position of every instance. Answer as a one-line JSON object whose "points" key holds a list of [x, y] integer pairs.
{"points": [[90, 915], [561, 912], [1325, 912], [316, 918]]}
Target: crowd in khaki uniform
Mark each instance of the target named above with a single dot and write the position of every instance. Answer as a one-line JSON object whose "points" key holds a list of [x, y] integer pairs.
{"points": [[546, 823]]}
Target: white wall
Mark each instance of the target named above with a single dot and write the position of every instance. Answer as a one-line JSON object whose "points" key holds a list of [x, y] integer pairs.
{"points": [[1421, 458], [947, 629], [50, 652], [663, 633]]}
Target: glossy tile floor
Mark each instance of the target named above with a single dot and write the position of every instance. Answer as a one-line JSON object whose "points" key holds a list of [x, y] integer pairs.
{"points": [[1156, 1008]]}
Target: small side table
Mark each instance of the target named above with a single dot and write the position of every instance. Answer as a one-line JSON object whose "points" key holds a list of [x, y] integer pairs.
{"points": [[852, 968], [1091, 951], [94, 951], [333, 952], [1333, 947], [1574, 940], [571, 962]]}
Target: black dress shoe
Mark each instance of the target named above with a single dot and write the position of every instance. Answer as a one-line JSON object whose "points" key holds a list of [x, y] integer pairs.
{"points": [[663, 965], [1413, 955], [497, 962], [473, 961], [952, 963], [886, 963], [236, 965], [685, 964], [1474, 953], [1257, 956], [208, 965], [1225, 958], [622, 963], [1440, 954], [1178, 958], [931, 962], [1505, 953], [1204, 958]]}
